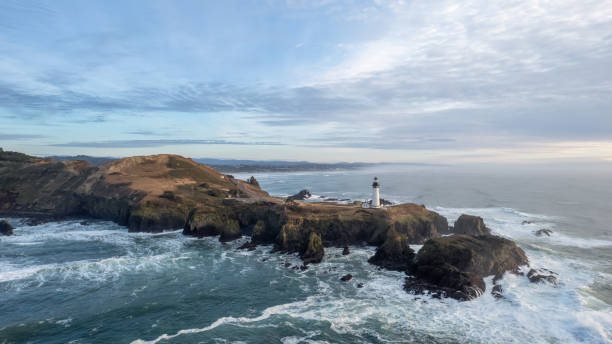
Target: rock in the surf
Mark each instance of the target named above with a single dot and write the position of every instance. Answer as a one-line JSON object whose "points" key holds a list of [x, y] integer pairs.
{"points": [[394, 254], [542, 276], [498, 291], [6, 228], [455, 266], [314, 251], [472, 225], [249, 246], [346, 278], [543, 231]]}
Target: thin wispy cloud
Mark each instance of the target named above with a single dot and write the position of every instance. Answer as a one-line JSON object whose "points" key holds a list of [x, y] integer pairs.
{"points": [[158, 143], [16, 136]]}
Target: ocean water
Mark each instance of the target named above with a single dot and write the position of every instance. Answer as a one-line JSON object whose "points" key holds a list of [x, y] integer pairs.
{"points": [[65, 282]]}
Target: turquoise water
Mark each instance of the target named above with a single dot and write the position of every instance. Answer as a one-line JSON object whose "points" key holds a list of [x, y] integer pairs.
{"points": [[65, 282]]}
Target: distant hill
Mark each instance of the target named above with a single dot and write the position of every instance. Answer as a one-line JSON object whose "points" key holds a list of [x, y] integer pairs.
{"points": [[235, 165], [239, 166]]}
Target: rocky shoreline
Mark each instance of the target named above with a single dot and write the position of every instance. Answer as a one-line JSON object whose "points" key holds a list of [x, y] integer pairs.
{"points": [[162, 192]]}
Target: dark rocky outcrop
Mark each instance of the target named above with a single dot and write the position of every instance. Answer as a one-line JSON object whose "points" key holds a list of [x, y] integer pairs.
{"points": [[288, 225], [346, 278], [314, 250], [300, 196], [497, 291], [542, 276], [472, 225], [212, 224], [394, 254], [455, 266], [249, 246], [253, 181], [6, 228], [543, 231], [346, 251], [385, 202]]}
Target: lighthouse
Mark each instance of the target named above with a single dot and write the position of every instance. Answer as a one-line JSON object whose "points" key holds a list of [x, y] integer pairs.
{"points": [[375, 193]]}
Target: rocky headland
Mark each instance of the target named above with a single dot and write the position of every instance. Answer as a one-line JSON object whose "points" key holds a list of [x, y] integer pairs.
{"points": [[166, 192]]}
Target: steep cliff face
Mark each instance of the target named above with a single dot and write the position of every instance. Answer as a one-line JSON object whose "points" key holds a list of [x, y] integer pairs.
{"points": [[41, 186], [290, 225]]}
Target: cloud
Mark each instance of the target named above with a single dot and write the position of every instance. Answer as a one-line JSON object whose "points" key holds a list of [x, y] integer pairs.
{"points": [[142, 132], [415, 143], [157, 143], [415, 75], [5, 136]]}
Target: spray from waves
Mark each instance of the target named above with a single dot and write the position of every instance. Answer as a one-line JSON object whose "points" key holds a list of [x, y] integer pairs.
{"points": [[411, 319], [99, 270], [529, 312], [521, 226], [139, 252], [99, 231], [276, 310], [500, 213]]}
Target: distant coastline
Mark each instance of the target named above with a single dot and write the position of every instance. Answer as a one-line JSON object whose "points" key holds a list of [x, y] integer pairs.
{"points": [[240, 166]]}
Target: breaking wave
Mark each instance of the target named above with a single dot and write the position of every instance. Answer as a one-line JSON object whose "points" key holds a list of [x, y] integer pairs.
{"points": [[320, 308]]}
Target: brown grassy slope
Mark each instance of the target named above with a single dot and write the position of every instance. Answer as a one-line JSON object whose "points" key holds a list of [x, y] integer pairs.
{"points": [[149, 193], [165, 188], [33, 185]]}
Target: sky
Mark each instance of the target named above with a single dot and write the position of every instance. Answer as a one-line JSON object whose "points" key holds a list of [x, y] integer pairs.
{"points": [[473, 81]]}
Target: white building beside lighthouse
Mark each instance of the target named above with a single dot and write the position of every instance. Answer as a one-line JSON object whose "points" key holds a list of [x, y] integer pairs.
{"points": [[375, 193]]}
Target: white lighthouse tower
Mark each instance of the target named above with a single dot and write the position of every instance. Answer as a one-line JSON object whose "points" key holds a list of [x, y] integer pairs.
{"points": [[375, 193]]}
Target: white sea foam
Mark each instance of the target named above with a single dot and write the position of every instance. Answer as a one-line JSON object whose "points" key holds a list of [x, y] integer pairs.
{"points": [[302, 339], [97, 232], [143, 251], [64, 322], [511, 223], [416, 248], [95, 270], [534, 313]]}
